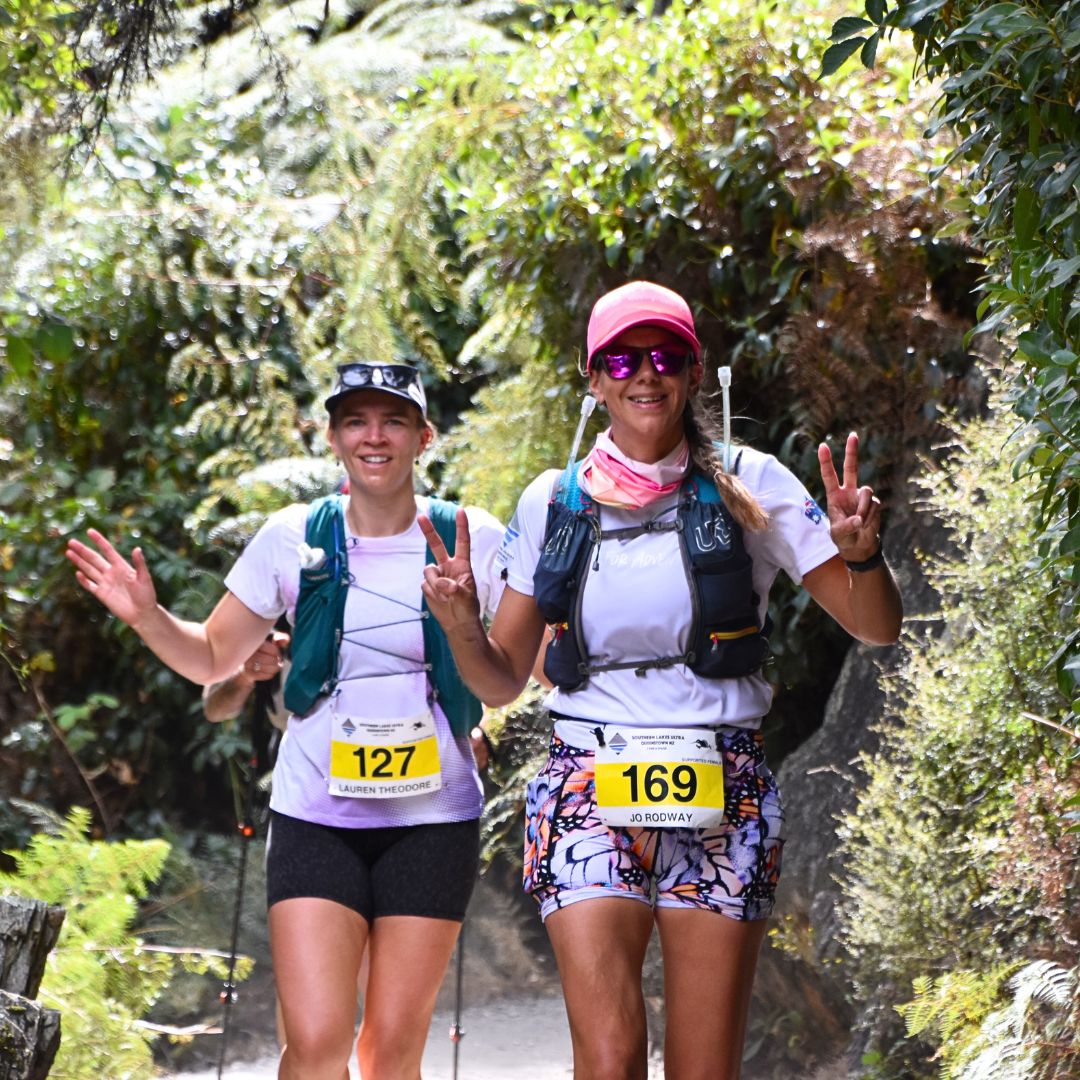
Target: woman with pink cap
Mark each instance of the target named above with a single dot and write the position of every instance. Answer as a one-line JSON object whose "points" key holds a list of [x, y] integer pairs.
{"points": [[650, 562]]}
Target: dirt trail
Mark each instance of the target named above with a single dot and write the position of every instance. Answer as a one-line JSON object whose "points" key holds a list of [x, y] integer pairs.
{"points": [[519, 1037]]}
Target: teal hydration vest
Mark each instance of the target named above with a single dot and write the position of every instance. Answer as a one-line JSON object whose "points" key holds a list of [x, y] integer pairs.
{"points": [[320, 620], [727, 638]]}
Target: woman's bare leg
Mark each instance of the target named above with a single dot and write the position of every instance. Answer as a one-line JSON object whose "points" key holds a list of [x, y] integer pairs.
{"points": [[709, 964], [317, 946], [408, 957], [600, 948]]}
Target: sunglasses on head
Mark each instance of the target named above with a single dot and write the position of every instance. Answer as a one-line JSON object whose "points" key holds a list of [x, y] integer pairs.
{"points": [[623, 361], [394, 376]]}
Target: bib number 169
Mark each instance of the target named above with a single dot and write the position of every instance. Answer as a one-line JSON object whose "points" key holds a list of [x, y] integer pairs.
{"points": [[657, 783]]}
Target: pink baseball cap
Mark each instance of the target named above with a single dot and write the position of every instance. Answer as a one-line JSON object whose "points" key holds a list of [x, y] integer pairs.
{"points": [[639, 303]]}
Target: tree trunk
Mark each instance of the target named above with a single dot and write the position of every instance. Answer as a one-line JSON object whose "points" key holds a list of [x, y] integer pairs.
{"points": [[29, 1033], [29, 1038]]}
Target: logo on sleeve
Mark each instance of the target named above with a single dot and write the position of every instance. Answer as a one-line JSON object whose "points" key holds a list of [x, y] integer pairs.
{"points": [[505, 555], [812, 511]]}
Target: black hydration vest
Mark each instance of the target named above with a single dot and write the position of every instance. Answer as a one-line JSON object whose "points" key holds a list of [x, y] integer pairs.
{"points": [[727, 639]]}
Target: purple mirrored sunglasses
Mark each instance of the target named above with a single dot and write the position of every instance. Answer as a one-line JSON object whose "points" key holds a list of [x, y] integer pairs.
{"points": [[623, 361]]}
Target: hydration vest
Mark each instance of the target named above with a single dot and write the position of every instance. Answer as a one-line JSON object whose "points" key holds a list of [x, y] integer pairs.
{"points": [[320, 620], [727, 638]]}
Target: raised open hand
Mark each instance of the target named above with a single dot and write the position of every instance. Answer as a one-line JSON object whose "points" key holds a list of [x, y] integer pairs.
{"points": [[125, 589], [854, 512], [449, 586]]}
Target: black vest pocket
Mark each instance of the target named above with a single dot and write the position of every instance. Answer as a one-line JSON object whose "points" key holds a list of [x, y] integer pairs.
{"points": [[730, 658], [728, 589], [558, 571], [732, 645], [562, 660]]}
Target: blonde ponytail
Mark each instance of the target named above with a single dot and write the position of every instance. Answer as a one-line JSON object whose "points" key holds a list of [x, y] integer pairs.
{"points": [[703, 436]]}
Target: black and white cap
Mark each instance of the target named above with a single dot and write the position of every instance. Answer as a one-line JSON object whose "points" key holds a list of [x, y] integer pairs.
{"points": [[401, 380]]}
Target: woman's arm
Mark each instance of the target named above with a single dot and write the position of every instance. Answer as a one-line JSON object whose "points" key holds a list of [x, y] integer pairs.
{"points": [[866, 602], [225, 700], [202, 652], [495, 666]]}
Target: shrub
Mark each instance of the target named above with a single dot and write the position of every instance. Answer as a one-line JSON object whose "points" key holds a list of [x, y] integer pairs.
{"points": [[939, 861], [101, 976]]}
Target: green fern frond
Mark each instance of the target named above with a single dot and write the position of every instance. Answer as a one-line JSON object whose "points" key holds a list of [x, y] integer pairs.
{"points": [[44, 818], [1034, 1036], [100, 976], [517, 428], [1044, 982]]}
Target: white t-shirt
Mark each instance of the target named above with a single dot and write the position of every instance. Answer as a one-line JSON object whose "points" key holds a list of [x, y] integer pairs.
{"points": [[381, 671], [637, 602]]}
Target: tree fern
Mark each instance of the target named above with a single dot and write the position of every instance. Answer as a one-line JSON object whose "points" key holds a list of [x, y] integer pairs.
{"points": [[1036, 1035], [954, 1008]]}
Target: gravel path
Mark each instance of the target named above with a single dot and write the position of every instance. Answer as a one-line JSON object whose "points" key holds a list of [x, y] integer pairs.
{"points": [[523, 1037]]}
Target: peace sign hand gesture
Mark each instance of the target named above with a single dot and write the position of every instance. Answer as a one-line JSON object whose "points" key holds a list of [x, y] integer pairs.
{"points": [[449, 586], [125, 589], [854, 512]]}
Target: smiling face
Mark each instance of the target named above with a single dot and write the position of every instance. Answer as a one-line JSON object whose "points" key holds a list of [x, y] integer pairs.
{"points": [[378, 437], [646, 409]]}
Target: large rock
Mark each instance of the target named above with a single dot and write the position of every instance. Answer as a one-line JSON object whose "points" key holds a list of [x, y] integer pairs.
{"points": [[819, 782]]}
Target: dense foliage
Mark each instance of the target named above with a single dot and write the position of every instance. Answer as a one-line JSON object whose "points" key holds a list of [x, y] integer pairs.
{"points": [[104, 416], [101, 976], [1011, 93], [158, 343], [330, 181], [959, 863], [38, 64], [166, 325]]}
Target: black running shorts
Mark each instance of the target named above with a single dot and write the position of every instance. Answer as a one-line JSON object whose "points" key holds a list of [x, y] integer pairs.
{"points": [[425, 870]]}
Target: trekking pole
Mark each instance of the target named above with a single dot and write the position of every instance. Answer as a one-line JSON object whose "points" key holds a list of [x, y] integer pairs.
{"points": [[246, 827], [456, 1031]]}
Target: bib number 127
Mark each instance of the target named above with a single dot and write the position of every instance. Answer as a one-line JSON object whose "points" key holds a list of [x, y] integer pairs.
{"points": [[378, 762]]}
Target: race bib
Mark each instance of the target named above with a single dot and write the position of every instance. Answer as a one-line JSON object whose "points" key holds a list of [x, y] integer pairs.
{"points": [[670, 777], [384, 759]]}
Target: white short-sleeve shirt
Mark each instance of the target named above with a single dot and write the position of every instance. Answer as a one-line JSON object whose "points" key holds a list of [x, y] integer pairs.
{"points": [[637, 601], [381, 664]]}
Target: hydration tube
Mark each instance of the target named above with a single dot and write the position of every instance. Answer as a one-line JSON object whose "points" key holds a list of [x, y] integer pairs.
{"points": [[725, 390], [588, 403]]}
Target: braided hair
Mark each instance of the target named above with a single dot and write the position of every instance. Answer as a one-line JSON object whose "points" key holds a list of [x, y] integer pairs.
{"points": [[704, 434]]}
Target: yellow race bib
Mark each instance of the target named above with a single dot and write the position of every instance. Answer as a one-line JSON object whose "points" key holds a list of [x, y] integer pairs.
{"points": [[384, 759], [660, 777]]}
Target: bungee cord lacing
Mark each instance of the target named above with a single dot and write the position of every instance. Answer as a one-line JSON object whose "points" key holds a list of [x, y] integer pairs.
{"points": [[419, 615]]}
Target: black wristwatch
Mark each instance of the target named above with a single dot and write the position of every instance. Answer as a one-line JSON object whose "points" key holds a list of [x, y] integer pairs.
{"points": [[875, 560]]}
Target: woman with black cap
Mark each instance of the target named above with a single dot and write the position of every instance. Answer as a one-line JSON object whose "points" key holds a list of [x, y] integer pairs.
{"points": [[651, 561], [374, 836]]}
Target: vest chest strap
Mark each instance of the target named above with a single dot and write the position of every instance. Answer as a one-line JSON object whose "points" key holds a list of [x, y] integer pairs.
{"points": [[640, 667], [634, 531]]}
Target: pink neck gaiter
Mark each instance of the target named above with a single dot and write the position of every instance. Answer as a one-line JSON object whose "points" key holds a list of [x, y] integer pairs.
{"points": [[614, 479]]}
